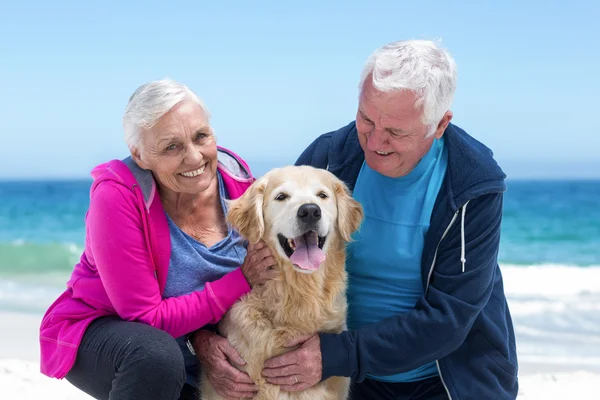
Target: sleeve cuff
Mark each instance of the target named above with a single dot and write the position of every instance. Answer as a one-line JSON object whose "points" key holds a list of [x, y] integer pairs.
{"points": [[227, 290], [335, 355]]}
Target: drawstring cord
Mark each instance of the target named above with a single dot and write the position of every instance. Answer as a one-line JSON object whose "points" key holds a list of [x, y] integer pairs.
{"points": [[463, 260]]}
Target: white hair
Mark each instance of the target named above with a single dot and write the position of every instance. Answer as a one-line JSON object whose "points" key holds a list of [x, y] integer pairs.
{"points": [[420, 66], [150, 102]]}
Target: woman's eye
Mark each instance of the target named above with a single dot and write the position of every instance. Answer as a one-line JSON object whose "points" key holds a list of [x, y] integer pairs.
{"points": [[201, 136], [281, 197], [322, 195], [171, 147]]}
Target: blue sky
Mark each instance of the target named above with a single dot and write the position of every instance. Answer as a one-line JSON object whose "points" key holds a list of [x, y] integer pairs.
{"points": [[275, 76]]}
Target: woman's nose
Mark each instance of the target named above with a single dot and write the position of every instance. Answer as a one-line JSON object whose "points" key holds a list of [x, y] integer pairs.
{"points": [[193, 155]]}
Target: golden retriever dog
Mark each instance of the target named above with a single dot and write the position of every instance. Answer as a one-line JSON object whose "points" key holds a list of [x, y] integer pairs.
{"points": [[306, 216]]}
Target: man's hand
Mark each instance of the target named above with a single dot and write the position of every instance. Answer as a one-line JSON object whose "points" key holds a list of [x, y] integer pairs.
{"points": [[216, 355], [299, 369]]}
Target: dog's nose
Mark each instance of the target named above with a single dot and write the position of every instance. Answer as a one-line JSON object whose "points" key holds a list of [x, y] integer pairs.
{"points": [[309, 213]]}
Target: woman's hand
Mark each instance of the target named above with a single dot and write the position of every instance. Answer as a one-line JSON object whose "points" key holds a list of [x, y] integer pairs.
{"points": [[216, 355], [258, 264]]}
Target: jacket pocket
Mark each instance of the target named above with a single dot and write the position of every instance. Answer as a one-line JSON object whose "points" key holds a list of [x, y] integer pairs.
{"points": [[484, 345]]}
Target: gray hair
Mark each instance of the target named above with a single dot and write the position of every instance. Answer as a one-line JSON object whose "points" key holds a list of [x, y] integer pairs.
{"points": [[420, 66], [150, 102]]}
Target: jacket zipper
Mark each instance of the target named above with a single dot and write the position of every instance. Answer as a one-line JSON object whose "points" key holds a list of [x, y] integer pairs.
{"points": [[437, 363], [133, 188]]}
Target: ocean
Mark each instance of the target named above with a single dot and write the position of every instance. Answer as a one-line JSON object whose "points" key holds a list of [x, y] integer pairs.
{"points": [[549, 257]]}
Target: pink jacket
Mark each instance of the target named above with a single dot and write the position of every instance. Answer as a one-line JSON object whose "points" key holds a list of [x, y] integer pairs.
{"points": [[124, 265]]}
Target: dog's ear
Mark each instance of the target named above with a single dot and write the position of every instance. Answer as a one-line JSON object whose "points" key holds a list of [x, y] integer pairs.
{"points": [[246, 212], [350, 212]]}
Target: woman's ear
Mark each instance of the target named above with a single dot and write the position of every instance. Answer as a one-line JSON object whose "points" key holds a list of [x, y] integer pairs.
{"points": [[137, 157], [350, 212], [246, 212]]}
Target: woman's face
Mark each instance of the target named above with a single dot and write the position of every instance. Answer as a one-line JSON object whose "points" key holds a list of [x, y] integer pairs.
{"points": [[180, 150]]}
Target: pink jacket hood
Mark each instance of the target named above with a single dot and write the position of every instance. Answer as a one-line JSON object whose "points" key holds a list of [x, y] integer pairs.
{"points": [[124, 199]]}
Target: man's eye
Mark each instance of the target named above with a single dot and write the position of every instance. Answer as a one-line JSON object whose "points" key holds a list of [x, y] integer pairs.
{"points": [[367, 120], [171, 147], [281, 197], [201, 136]]}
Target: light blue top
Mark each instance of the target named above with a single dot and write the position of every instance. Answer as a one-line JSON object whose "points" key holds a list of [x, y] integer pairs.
{"points": [[384, 260], [193, 264]]}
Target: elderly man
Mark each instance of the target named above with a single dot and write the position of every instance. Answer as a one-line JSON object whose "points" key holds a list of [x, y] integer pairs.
{"points": [[427, 317]]}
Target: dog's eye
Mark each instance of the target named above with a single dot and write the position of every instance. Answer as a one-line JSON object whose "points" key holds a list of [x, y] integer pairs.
{"points": [[322, 195], [281, 197]]}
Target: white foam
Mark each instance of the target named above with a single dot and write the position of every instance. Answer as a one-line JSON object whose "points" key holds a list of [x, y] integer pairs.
{"points": [[556, 313], [551, 280], [19, 296]]}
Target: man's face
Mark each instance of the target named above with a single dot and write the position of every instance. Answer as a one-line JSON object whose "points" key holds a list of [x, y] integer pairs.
{"points": [[391, 132]]}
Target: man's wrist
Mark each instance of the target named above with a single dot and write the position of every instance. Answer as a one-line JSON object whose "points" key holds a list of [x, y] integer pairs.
{"points": [[192, 339], [335, 355]]}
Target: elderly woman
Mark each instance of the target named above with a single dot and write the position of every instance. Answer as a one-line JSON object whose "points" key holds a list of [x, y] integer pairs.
{"points": [[160, 262]]}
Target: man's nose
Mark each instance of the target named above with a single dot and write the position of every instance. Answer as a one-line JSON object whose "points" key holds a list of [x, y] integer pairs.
{"points": [[376, 140]]}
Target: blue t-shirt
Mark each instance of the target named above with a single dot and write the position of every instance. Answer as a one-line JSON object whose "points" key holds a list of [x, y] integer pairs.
{"points": [[192, 264], [384, 260]]}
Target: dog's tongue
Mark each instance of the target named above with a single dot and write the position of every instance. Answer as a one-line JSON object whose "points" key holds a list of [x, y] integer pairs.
{"points": [[307, 255]]}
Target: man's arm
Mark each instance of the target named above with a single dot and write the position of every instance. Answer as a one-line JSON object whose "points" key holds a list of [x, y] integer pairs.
{"points": [[441, 319]]}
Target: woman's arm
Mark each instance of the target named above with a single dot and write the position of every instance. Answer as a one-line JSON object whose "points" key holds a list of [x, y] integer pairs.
{"points": [[122, 256]]}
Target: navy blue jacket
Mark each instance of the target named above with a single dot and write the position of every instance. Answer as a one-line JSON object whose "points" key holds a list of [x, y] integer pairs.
{"points": [[462, 322]]}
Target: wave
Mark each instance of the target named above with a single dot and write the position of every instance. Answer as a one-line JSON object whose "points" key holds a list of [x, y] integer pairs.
{"points": [[21, 257], [27, 297], [43, 270], [550, 279], [32, 275], [555, 310]]}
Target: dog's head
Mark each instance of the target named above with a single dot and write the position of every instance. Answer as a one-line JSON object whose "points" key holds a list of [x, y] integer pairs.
{"points": [[299, 211]]}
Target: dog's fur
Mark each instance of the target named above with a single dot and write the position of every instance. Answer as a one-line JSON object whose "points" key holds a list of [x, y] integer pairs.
{"points": [[295, 303]]}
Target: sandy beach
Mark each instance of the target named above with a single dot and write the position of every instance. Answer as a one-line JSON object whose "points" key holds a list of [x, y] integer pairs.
{"points": [[21, 379], [20, 376]]}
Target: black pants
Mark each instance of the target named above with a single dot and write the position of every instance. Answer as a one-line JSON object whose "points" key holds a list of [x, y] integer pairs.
{"points": [[427, 389], [120, 360]]}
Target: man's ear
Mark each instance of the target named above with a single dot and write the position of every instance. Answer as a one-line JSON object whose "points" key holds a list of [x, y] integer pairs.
{"points": [[441, 128], [350, 212], [246, 212]]}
